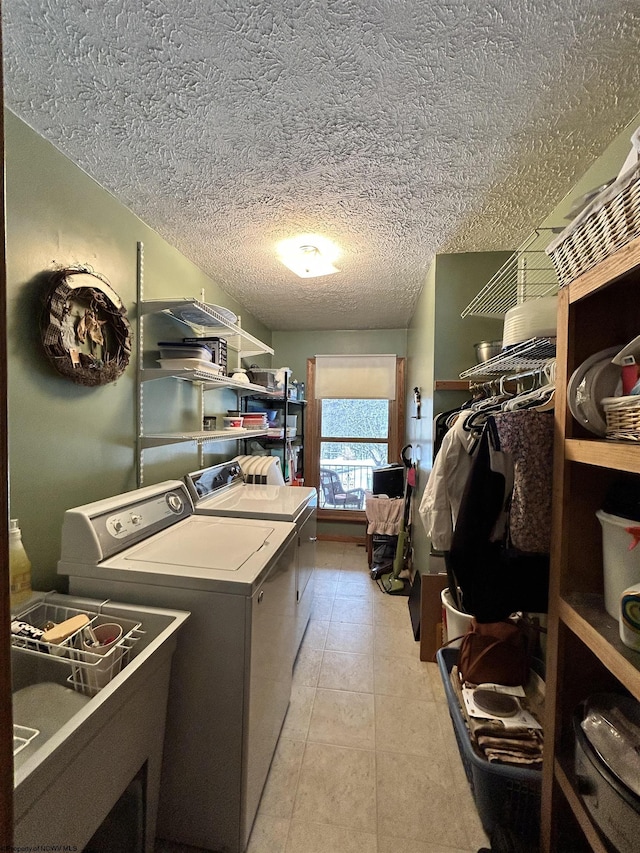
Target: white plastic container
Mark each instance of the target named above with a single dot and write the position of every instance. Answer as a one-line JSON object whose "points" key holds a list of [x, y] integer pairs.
{"points": [[620, 559], [170, 350], [454, 622]]}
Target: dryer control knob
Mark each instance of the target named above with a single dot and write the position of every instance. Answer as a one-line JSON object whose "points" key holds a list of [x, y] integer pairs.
{"points": [[174, 502]]}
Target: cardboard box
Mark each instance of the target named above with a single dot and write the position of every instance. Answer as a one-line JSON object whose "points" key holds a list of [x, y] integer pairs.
{"points": [[431, 628]]}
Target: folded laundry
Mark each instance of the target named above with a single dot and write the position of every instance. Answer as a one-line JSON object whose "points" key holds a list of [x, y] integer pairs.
{"points": [[498, 743]]}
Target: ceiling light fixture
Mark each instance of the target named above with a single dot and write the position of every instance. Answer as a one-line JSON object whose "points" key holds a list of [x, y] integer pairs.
{"points": [[309, 256]]}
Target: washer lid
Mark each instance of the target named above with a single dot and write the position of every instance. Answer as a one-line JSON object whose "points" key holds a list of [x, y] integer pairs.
{"points": [[217, 546], [230, 555]]}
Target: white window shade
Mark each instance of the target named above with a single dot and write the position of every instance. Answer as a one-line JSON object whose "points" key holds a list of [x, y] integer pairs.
{"points": [[355, 377]]}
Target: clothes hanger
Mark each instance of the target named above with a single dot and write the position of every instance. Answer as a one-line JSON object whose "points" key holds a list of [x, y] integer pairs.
{"points": [[538, 395], [549, 404]]}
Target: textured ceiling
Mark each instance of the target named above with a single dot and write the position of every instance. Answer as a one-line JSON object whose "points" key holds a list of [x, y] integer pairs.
{"points": [[397, 128]]}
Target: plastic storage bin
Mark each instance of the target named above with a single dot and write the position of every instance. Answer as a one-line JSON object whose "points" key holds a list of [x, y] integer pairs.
{"points": [[621, 561], [506, 797], [171, 349]]}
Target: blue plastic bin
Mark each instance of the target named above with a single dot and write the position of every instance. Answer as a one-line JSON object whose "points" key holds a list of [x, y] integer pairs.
{"points": [[506, 797]]}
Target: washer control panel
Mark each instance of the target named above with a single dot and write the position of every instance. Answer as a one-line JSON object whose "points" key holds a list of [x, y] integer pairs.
{"points": [[146, 517], [109, 526], [136, 519]]}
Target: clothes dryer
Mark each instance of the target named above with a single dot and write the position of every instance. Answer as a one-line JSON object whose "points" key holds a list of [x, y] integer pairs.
{"points": [[231, 676], [221, 490]]}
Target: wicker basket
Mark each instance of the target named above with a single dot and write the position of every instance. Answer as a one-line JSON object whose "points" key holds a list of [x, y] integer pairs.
{"points": [[623, 417], [610, 222]]}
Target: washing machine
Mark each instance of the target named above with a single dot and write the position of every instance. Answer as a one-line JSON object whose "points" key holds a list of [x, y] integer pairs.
{"points": [[231, 673], [222, 490]]}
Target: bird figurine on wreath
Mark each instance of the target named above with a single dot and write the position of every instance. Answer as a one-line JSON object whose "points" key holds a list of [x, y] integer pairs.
{"points": [[85, 332]]}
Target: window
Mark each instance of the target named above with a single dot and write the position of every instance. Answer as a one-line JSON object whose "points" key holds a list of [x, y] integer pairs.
{"points": [[346, 439], [354, 438]]}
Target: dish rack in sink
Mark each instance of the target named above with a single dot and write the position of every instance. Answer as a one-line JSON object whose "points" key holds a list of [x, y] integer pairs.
{"points": [[91, 669]]}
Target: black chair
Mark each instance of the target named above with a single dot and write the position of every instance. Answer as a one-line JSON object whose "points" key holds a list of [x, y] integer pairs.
{"points": [[335, 494]]}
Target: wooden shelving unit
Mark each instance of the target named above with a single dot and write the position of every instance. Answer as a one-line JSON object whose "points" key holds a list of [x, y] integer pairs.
{"points": [[585, 655]]}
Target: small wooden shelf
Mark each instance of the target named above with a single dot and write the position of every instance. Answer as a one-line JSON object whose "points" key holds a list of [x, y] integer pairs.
{"points": [[451, 385], [618, 455], [586, 617]]}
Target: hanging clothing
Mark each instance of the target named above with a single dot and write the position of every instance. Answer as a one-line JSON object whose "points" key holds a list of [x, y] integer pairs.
{"points": [[442, 495], [441, 426], [495, 580], [473, 560], [528, 436]]}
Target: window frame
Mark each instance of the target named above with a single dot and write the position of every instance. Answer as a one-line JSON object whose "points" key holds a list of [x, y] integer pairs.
{"points": [[312, 438]]}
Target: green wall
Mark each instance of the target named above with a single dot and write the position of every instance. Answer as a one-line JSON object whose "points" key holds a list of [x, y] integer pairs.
{"points": [[440, 346], [458, 280], [69, 444]]}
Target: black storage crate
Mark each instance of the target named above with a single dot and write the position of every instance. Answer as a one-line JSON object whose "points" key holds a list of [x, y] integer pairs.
{"points": [[507, 798]]}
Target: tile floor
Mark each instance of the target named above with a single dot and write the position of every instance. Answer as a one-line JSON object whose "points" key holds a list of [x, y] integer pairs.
{"points": [[367, 760]]}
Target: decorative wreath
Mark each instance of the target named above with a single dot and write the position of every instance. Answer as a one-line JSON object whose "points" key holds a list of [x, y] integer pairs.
{"points": [[85, 332]]}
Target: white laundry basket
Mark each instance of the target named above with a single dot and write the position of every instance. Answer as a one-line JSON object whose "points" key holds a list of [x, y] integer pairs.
{"points": [[620, 559], [454, 622]]}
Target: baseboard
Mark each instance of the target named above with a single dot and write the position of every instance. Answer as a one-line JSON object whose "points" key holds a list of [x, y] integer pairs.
{"points": [[334, 537]]}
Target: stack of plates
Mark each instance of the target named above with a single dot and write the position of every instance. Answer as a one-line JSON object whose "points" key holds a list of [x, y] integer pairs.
{"points": [[594, 379], [262, 467], [536, 318]]}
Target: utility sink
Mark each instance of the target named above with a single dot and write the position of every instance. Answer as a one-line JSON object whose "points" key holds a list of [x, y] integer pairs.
{"points": [[78, 745], [48, 707]]}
